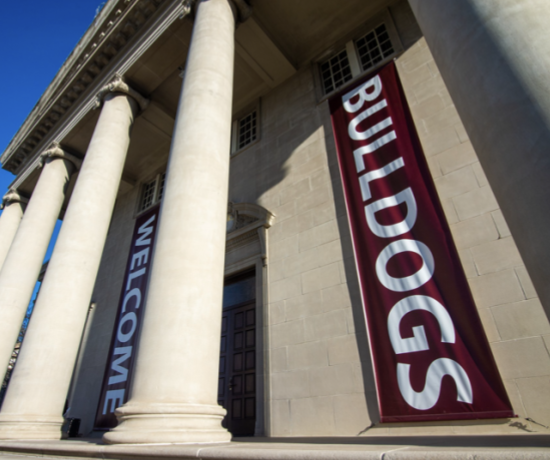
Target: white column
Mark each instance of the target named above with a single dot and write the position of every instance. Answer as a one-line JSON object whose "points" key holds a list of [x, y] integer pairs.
{"points": [[174, 392], [494, 56], [24, 260], [12, 207], [40, 382]]}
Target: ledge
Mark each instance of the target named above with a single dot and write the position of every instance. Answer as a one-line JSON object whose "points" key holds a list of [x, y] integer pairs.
{"points": [[523, 446]]}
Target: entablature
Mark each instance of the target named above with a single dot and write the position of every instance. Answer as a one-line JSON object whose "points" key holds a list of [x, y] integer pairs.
{"points": [[116, 25]]}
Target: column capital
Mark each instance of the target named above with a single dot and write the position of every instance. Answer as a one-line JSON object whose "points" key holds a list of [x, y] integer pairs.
{"points": [[12, 196], [56, 151], [119, 85], [241, 9]]}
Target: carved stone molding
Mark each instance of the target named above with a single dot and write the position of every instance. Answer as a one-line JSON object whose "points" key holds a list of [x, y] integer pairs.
{"points": [[115, 27], [240, 215], [56, 151], [248, 222], [12, 197], [126, 59], [119, 85]]}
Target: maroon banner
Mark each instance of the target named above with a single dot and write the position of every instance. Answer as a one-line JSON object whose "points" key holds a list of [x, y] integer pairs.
{"points": [[431, 357], [119, 371]]}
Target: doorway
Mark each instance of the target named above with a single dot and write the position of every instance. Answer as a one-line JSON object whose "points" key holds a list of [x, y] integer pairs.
{"points": [[237, 376]]}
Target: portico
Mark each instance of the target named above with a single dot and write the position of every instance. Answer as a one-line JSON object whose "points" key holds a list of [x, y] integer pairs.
{"points": [[221, 57]]}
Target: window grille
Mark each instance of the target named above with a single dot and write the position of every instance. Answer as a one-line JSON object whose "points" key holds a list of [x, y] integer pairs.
{"points": [[152, 192], [374, 47], [247, 130], [357, 57], [336, 71], [148, 194]]}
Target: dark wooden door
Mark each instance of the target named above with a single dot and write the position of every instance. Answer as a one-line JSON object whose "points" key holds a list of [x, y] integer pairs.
{"points": [[237, 379]]}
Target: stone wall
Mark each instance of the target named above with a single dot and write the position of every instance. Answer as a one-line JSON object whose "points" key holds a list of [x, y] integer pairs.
{"points": [[319, 379], [514, 320]]}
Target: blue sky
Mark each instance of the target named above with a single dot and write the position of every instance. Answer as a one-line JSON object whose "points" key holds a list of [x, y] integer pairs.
{"points": [[35, 39]]}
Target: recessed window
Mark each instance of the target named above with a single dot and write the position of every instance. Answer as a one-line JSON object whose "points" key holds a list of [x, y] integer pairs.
{"points": [[336, 71], [374, 47], [245, 131], [358, 56], [247, 128], [152, 192]]}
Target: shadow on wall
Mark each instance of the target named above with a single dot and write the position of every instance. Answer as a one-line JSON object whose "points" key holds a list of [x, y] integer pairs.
{"points": [[293, 172]]}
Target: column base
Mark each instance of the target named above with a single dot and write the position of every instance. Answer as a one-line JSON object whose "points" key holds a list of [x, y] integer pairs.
{"points": [[168, 423], [30, 427]]}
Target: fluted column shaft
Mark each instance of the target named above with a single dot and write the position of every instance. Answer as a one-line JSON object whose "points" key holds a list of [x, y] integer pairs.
{"points": [[24, 259], [494, 56], [174, 392], [13, 206], [39, 385]]}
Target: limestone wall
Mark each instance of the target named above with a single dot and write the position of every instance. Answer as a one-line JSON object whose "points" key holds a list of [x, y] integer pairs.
{"points": [[319, 379], [514, 320]]}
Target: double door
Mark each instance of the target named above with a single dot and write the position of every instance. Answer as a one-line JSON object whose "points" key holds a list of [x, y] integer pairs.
{"points": [[237, 377]]}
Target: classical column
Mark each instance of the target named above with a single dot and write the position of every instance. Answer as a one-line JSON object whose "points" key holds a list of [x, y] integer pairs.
{"points": [[494, 56], [174, 391], [12, 207], [24, 260], [40, 382]]}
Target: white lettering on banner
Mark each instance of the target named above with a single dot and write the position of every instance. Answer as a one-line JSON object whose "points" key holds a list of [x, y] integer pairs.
{"points": [[140, 257], [373, 147], [407, 283], [129, 295], [133, 276], [365, 179], [115, 397], [129, 321], [428, 397], [125, 353], [124, 337], [145, 231], [418, 341], [374, 83], [387, 231], [359, 136]]}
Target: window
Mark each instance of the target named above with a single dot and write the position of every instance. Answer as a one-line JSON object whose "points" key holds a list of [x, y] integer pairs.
{"points": [[245, 131], [358, 56], [152, 192], [336, 71], [374, 47]]}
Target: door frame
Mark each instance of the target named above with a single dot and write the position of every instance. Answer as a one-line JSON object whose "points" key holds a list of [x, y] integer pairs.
{"points": [[247, 249]]}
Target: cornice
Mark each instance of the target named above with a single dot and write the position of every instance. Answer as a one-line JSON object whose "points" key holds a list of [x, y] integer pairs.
{"points": [[104, 43], [127, 57]]}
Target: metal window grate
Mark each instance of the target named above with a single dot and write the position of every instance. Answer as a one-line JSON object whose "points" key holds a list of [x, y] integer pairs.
{"points": [[335, 71], [374, 47], [161, 186], [247, 130], [148, 194]]}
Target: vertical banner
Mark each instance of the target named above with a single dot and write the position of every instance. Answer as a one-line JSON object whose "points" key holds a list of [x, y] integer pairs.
{"points": [[120, 364], [431, 357]]}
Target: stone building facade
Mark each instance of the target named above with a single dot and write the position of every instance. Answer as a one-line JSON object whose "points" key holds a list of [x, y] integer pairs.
{"points": [[229, 130]]}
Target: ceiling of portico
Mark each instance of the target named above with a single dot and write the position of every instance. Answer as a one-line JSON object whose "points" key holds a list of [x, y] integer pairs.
{"points": [[306, 29], [280, 37]]}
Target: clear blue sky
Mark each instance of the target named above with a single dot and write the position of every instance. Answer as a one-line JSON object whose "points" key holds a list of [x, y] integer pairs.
{"points": [[36, 37]]}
